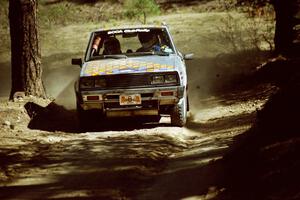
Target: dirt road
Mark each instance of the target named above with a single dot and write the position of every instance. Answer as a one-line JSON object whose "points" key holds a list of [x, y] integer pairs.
{"points": [[128, 161]]}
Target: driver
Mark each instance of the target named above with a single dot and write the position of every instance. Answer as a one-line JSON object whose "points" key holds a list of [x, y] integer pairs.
{"points": [[112, 46], [149, 41]]}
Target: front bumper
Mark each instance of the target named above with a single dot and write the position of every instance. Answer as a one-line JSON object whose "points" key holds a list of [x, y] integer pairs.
{"points": [[154, 100]]}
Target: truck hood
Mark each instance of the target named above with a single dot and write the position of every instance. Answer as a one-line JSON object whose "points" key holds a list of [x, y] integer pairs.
{"points": [[142, 64]]}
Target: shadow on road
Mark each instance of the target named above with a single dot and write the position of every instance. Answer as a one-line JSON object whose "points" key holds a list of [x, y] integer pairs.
{"points": [[76, 171], [130, 167], [55, 117], [52, 118]]}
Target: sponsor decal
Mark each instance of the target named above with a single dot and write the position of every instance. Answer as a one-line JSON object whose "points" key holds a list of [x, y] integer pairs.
{"points": [[137, 30], [118, 67]]}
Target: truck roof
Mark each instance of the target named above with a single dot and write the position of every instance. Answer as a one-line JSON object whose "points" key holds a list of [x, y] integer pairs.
{"points": [[132, 27]]}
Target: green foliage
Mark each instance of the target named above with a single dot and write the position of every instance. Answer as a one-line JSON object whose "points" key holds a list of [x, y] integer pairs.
{"points": [[66, 13], [138, 8], [252, 28]]}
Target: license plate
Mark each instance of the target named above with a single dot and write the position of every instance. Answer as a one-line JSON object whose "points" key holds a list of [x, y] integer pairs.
{"points": [[130, 99]]}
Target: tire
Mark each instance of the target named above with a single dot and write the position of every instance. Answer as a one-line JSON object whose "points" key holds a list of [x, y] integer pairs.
{"points": [[88, 119], [83, 118], [179, 113]]}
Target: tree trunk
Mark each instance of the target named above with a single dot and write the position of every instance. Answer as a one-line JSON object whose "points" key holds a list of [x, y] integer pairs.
{"points": [[25, 51], [285, 11]]}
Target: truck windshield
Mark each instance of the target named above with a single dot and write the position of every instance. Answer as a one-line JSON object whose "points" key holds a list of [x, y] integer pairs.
{"points": [[130, 42]]}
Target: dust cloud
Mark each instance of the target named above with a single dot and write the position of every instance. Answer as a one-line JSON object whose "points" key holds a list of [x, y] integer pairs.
{"points": [[213, 83], [208, 79], [205, 81], [59, 77], [59, 85]]}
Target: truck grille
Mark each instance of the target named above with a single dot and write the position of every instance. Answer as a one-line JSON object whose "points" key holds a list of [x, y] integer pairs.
{"points": [[128, 80], [123, 81]]}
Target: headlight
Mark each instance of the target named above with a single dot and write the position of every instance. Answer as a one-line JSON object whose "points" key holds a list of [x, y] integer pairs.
{"points": [[164, 79], [86, 83], [100, 83], [157, 79], [170, 78]]}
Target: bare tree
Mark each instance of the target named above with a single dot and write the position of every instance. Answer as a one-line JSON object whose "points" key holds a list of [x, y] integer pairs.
{"points": [[25, 50]]}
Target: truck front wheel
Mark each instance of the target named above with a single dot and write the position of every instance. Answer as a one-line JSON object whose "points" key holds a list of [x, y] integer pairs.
{"points": [[179, 113]]}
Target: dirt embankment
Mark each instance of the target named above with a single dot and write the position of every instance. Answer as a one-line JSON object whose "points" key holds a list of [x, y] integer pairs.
{"points": [[264, 162]]}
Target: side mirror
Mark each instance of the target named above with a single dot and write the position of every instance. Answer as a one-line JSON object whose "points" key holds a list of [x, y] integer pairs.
{"points": [[77, 61], [188, 56]]}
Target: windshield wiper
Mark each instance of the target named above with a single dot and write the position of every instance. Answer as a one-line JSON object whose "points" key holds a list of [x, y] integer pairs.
{"points": [[118, 56], [160, 53]]}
